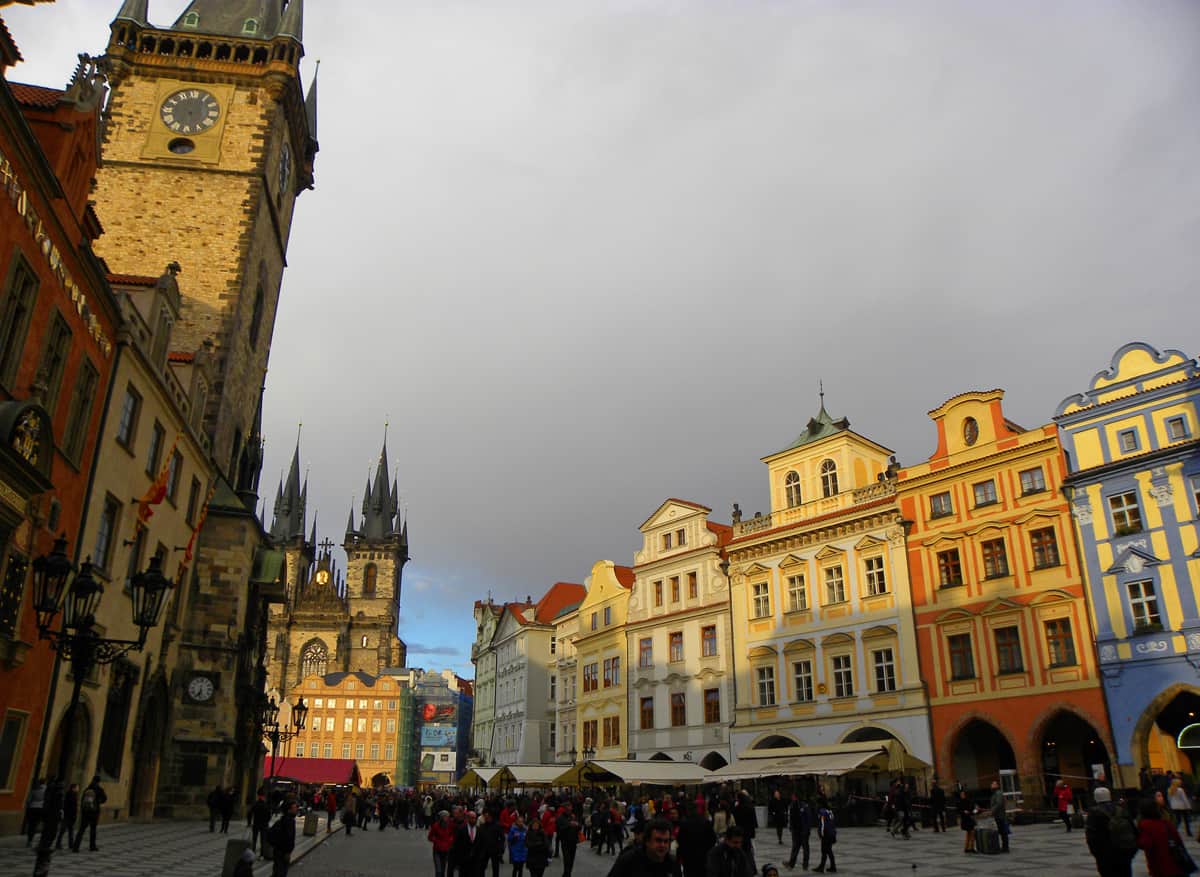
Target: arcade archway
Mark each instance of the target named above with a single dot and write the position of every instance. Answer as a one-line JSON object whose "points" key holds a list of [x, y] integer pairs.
{"points": [[1157, 733], [1072, 749], [867, 734], [775, 741], [77, 768], [980, 752], [713, 761], [147, 749]]}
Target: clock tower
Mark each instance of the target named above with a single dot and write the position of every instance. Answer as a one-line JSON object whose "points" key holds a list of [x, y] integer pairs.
{"points": [[209, 141]]}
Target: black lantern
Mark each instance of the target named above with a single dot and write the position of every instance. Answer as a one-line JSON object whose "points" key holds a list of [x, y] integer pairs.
{"points": [[269, 714], [50, 573], [148, 593], [83, 598], [299, 714]]}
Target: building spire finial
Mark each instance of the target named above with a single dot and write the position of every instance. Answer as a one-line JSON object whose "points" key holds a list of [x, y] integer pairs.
{"points": [[821, 390]]}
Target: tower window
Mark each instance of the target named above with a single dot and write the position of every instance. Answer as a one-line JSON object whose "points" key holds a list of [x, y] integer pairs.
{"points": [[192, 19], [314, 659], [251, 26], [370, 575], [829, 479], [256, 315], [364, 640], [792, 484]]}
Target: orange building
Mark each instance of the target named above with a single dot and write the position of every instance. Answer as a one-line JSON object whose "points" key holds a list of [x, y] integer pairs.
{"points": [[1003, 632]]}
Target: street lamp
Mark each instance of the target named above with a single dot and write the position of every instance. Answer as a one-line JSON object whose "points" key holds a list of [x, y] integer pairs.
{"points": [[269, 719], [77, 641]]}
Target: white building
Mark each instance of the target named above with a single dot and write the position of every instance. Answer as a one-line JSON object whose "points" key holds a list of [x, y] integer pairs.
{"points": [[483, 656], [680, 641], [566, 629]]}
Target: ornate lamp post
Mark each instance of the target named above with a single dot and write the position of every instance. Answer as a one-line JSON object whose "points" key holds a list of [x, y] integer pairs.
{"points": [[77, 641], [269, 719]]}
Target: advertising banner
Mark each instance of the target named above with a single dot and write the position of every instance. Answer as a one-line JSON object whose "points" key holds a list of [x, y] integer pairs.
{"points": [[439, 736], [441, 713], [435, 764]]}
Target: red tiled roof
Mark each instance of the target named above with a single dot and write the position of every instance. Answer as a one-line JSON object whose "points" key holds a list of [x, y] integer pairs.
{"points": [[517, 610], [180, 356], [625, 575], [560, 595], [36, 95], [314, 770], [724, 532], [132, 280]]}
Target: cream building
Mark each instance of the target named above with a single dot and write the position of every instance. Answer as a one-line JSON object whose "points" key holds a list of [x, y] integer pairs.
{"points": [[602, 708], [822, 611], [680, 642], [483, 656], [566, 630], [152, 426]]}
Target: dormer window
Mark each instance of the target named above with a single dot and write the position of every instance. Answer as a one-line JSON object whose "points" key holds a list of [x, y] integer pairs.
{"points": [[791, 484], [829, 479], [192, 19], [251, 26]]}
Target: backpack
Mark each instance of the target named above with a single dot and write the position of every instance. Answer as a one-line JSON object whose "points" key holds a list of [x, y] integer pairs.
{"points": [[88, 802], [1122, 833]]}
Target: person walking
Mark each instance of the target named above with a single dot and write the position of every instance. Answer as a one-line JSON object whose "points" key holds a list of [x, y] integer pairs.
{"points": [[1064, 798], [214, 807], [567, 833], [1111, 836], [777, 809], [800, 823], [1156, 837], [282, 837], [695, 838], [1181, 805], [331, 809], [966, 820], [491, 843], [465, 851], [228, 801], [537, 849], [259, 820], [70, 812], [996, 806], [517, 851], [350, 812], [90, 802], [651, 858], [441, 836], [34, 808], [827, 831], [937, 806], [728, 858], [747, 820]]}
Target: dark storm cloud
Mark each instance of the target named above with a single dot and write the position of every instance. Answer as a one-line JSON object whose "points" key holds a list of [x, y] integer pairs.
{"points": [[588, 255]]}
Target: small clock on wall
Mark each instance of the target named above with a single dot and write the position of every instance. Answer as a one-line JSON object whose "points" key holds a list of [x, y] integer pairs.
{"points": [[200, 688], [190, 111]]}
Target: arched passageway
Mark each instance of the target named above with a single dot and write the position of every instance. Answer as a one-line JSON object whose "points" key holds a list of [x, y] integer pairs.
{"points": [[776, 741], [869, 733], [1160, 738], [980, 752], [1071, 749]]}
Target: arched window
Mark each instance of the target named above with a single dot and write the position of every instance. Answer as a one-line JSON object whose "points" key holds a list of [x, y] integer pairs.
{"points": [[792, 483], [370, 574], [251, 26], [829, 485], [314, 659], [192, 19], [256, 315], [364, 640]]}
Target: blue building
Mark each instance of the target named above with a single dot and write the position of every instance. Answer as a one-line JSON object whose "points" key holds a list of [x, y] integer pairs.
{"points": [[1132, 440]]}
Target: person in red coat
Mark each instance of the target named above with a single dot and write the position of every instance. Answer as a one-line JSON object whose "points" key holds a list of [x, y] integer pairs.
{"points": [[331, 809], [441, 835], [549, 820], [1154, 834], [1064, 798]]}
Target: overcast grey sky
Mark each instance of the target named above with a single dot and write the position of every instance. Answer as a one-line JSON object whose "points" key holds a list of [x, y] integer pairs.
{"points": [[589, 255]]}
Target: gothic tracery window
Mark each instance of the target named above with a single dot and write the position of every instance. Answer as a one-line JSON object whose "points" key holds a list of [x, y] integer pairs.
{"points": [[314, 660], [829, 481]]}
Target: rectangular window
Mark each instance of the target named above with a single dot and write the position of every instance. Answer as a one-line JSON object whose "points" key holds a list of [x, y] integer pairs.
{"points": [[1126, 515], [835, 585], [594, 619], [1033, 480], [174, 470], [106, 532], [1045, 547], [674, 589], [374, 751], [608, 676], [1059, 642], [362, 703], [319, 703], [377, 704], [607, 616], [712, 706], [1008, 650], [1128, 440], [666, 541], [136, 550], [766, 686], [348, 725], [358, 749], [616, 671], [762, 599], [299, 748], [693, 588], [553, 737], [646, 652], [391, 726], [949, 568], [16, 309], [389, 751], [590, 738], [658, 593], [940, 505], [193, 502], [708, 641], [681, 538], [12, 736], [553, 644], [1144, 604], [157, 437], [86, 381], [1177, 428], [995, 559], [885, 670], [876, 582], [553, 687], [675, 651], [376, 725], [678, 710], [797, 593], [843, 676], [54, 361], [329, 720], [985, 493], [612, 731], [647, 713], [590, 677], [802, 672]]}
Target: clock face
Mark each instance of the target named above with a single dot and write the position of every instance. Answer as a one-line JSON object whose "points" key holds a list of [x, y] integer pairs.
{"points": [[970, 431], [285, 168], [191, 111], [200, 688], [322, 577]]}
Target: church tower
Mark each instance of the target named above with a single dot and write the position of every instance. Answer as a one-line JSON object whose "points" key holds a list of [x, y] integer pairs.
{"points": [[209, 141], [376, 551]]}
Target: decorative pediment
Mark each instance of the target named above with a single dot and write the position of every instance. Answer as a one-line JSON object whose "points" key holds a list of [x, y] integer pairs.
{"points": [[763, 652], [987, 527], [676, 678], [952, 616], [707, 673], [755, 569], [830, 553], [1001, 605], [879, 630], [643, 682], [793, 560], [837, 639], [867, 543], [800, 644], [672, 512], [1133, 560], [943, 541], [1054, 595], [1039, 514]]}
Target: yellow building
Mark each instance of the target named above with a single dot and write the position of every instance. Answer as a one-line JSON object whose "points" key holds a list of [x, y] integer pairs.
{"points": [[601, 709], [819, 592]]}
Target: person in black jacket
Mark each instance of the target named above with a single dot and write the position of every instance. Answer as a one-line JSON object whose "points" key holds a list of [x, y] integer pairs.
{"points": [[937, 806], [728, 858], [70, 812], [90, 802], [800, 823], [491, 844], [566, 830], [214, 807], [259, 819], [696, 837], [777, 809], [747, 820], [468, 849], [282, 837], [228, 800]]}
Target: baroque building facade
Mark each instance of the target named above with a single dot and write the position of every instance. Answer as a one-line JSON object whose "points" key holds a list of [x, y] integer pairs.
{"points": [[483, 657], [1132, 440], [1003, 630], [601, 710], [680, 639]]}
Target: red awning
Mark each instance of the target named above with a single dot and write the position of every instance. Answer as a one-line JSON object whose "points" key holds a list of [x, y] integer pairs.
{"points": [[314, 770]]}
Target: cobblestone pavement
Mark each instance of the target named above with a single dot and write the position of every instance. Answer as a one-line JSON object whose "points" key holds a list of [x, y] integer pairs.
{"points": [[1037, 850], [134, 849]]}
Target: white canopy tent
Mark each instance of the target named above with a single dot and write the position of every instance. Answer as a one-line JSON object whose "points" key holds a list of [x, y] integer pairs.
{"points": [[478, 776], [529, 775], [634, 773], [881, 756]]}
